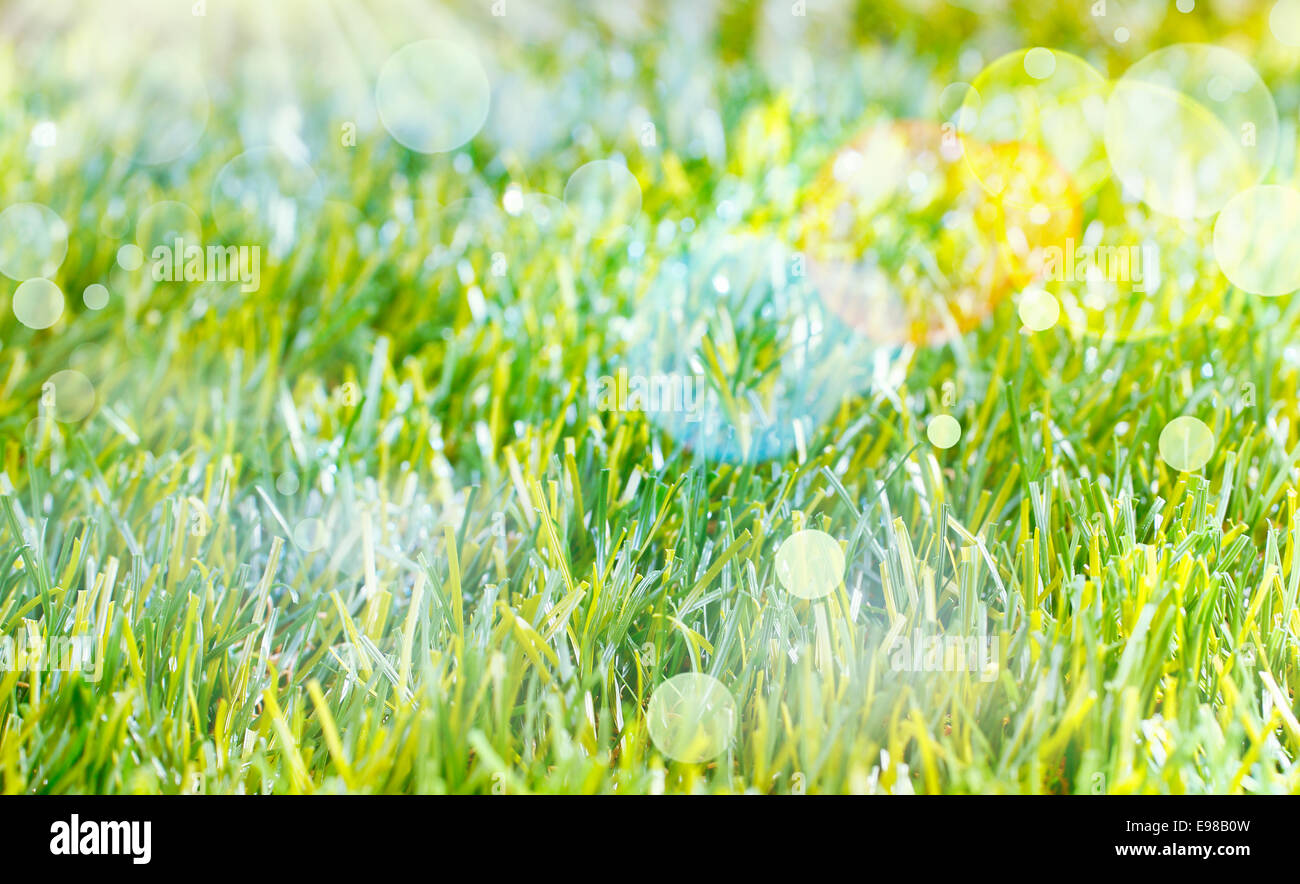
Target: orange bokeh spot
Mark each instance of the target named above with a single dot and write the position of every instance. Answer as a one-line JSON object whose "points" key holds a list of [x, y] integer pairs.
{"points": [[906, 246], [1034, 205]]}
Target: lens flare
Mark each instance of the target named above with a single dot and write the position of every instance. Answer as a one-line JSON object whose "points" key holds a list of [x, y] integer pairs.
{"points": [[874, 251], [1190, 126]]}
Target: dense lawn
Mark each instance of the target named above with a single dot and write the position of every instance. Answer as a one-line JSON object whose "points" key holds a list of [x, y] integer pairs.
{"points": [[373, 527]]}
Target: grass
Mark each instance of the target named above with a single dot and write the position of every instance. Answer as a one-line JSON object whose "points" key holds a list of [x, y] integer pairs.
{"points": [[508, 572]]}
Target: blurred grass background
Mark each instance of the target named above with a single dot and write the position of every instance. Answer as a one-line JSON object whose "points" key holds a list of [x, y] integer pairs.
{"points": [[508, 571]]}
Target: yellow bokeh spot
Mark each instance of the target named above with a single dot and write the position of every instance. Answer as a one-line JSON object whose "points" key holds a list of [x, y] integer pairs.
{"points": [[38, 303], [899, 239], [1038, 309], [692, 717], [1186, 444], [1254, 240], [1052, 104], [73, 395], [810, 564], [943, 431], [1188, 127]]}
